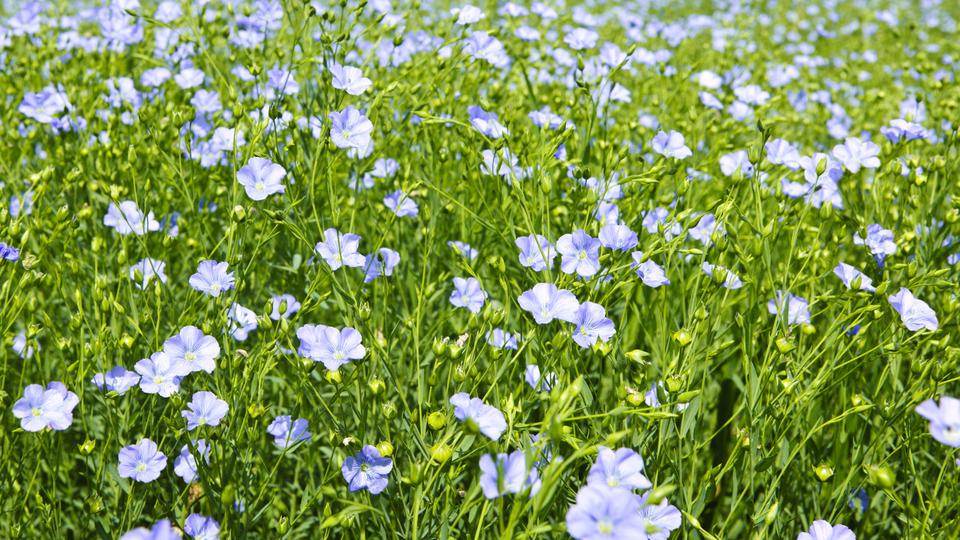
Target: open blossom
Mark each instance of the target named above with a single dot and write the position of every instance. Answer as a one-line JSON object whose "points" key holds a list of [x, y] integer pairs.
{"points": [[822, 530], [849, 274], [261, 178], [367, 470], [500, 339], [119, 379], [160, 374], [212, 278], [670, 145], [330, 346], [142, 462], [146, 270], [854, 153], [914, 313], [350, 129], [287, 432], [618, 468], [50, 407], [127, 218], [185, 465], [619, 237], [730, 280], [536, 252], [478, 415], [797, 308], [240, 321], [879, 240], [546, 302], [349, 79], [501, 474], [401, 204], [487, 123], [379, 264], [205, 409], [284, 306], [196, 350], [650, 273], [162, 530], [200, 527], [468, 294], [45, 106], [339, 249], [604, 512], [592, 324], [944, 419], [580, 253], [540, 383]]}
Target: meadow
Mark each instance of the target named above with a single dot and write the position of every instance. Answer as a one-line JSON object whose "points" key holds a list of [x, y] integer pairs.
{"points": [[633, 270]]}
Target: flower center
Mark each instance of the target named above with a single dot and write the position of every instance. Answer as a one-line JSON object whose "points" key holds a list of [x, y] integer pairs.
{"points": [[190, 357], [604, 527], [141, 467], [260, 186], [582, 255], [613, 482], [35, 411], [158, 380], [364, 467], [215, 287]]}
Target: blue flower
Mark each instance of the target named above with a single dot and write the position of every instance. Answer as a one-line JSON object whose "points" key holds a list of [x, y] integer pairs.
{"points": [[332, 347], [659, 519], [879, 240], [944, 419], [854, 153], [849, 274], [487, 123], [592, 324], [261, 178], [478, 415], [201, 527], [9, 253], [142, 462], [580, 253], [205, 409], [118, 380], [160, 375], [212, 278], [367, 470], [507, 473], [500, 339], [127, 218], [467, 294], [350, 129], [730, 280], [822, 530], [349, 79], [287, 432], [539, 383], [379, 264], [536, 252], [41, 408], [605, 513], [241, 321], [464, 249], [162, 530], [670, 145], [797, 309], [194, 349], [401, 204], [914, 313], [185, 465], [284, 306], [546, 302], [619, 237], [339, 249], [650, 273], [146, 270], [618, 468]]}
